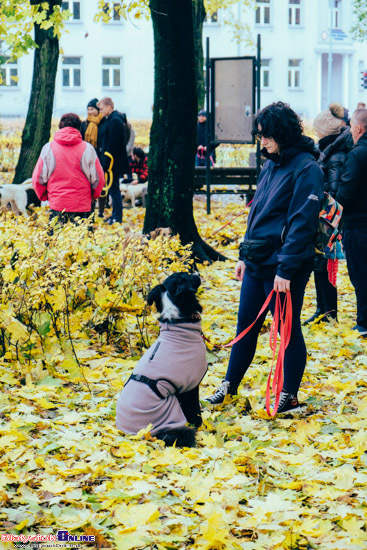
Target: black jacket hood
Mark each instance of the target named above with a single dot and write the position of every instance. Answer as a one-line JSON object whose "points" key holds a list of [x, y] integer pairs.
{"points": [[304, 145], [341, 142]]}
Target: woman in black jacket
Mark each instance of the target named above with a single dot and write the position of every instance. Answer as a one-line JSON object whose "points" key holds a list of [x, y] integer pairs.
{"points": [[335, 143], [278, 250]]}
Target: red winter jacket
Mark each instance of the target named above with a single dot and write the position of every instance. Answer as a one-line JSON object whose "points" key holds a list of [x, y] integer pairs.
{"points": [[68, 173], [140, 168]]}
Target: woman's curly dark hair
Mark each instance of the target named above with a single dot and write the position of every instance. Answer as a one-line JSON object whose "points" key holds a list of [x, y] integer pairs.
{"points": [[279, 122], [70, 119]]}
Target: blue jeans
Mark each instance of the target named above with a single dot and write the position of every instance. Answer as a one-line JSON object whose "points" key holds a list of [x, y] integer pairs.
{"points": [[115, 195], [355, 249], [253, 295]]}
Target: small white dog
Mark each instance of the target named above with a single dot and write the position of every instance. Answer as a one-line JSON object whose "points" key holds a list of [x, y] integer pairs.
{"points": [[132, 191], [18, 196]]}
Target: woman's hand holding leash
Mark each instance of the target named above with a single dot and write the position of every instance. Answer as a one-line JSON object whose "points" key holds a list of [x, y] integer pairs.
{"points": [[240, 270], [281, 285]]}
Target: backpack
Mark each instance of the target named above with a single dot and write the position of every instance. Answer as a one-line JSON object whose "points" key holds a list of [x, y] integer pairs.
{"points": [[330, 221]]}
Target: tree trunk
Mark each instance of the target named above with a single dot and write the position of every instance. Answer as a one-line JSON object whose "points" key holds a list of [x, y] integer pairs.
{"points": [[173, 133], [37, 127], [199, 16]]}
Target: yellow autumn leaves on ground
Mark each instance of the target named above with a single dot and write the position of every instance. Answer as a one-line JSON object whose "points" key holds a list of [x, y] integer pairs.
{"points": [[73, 322]]}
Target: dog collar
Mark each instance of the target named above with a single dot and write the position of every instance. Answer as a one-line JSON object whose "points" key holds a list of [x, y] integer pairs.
{"points": [[181, 320]]}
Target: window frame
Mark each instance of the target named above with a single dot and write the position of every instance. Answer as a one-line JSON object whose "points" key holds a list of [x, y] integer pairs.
{"points": [[261, 6], [336, 15], [6, 68], [292, 71], [292, 14], [112, 20], [72, 19], [71, 67], [214, 19], [111, 68], [265, 68]]}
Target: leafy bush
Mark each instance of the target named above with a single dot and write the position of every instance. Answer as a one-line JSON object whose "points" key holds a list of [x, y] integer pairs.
{"points": [[64, 289]]}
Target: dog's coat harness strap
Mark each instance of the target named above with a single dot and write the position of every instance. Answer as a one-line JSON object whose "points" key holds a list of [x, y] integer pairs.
{"points": [[150, 382], [180, 320]]}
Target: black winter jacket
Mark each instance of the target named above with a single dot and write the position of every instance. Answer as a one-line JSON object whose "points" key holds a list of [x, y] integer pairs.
{"points": [[352, 192], [113, 142], [334, 150], [285, 210]]}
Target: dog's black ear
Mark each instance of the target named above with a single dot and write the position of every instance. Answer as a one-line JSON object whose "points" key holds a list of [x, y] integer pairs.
{"points": [[195, 281], [155, 296]]}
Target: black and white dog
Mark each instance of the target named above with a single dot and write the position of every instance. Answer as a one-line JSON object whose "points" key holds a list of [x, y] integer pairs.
{"points": [[163, 390]]}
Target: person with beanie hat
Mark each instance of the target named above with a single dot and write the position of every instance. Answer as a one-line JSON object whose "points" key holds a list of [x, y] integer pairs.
{"points": [[93, 103], [329, 122], [89, 127], [335, 142]]}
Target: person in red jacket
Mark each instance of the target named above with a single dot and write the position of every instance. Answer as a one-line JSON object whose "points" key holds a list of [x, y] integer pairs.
{"points": [[139, 165], [68, 173]]}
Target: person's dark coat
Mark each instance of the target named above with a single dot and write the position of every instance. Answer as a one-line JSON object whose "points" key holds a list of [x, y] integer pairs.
{"points": [[201, 134], [334, 150], [83, 128], [201, 138], [113, 142], [352, 192], [100, 138], [285, 209]]}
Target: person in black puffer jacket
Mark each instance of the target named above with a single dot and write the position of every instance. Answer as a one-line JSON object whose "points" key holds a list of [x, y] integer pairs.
{"points": [[278, 249], [352, 194], [335, 143]]}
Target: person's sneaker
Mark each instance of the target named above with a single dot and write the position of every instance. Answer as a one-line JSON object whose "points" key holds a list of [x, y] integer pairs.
{"points": [[288, 403], [362, 330], [224, 389]]}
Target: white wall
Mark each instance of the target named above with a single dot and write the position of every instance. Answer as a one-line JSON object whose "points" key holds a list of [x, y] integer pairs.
{"points": [[133, 41]]}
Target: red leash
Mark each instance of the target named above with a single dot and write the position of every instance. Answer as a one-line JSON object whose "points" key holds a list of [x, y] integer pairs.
{"points": [[230, 221], [282, 323]]}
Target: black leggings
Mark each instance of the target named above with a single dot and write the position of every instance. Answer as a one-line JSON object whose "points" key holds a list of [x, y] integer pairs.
{"points": [[253, 295]]}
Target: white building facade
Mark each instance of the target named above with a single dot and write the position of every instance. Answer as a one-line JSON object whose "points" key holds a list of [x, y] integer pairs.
{"points": [[116, 59]]}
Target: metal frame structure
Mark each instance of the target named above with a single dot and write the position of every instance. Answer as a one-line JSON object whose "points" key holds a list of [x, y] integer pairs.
{"points": [[210, 107]]}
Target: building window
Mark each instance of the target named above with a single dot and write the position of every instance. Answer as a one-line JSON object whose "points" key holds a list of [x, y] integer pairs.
{"points": [[74, 8], [335, 15], [8, 71], [112, 12], [111, 72], [265, 73], [262, 16], [213, 18], [71, 72], [294, 12], [294, 74]]}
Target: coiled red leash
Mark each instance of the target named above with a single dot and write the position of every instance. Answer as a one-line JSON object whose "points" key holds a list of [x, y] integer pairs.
{"points": [[282, 324]]}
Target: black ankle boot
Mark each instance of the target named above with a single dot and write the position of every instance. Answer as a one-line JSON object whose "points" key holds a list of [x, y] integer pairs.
{"points": [[313, 317]]}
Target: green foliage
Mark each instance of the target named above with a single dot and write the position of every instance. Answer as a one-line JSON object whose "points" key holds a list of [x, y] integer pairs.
{"points": [[359, 29], [17, 20]]}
